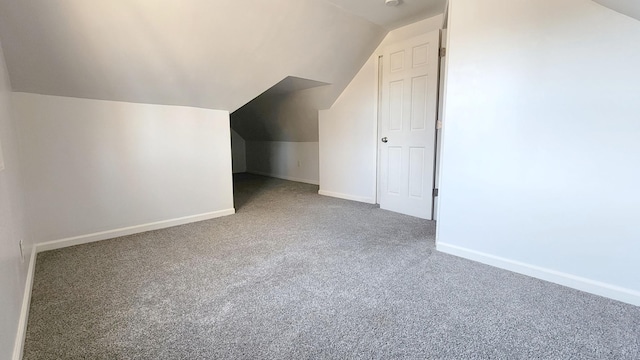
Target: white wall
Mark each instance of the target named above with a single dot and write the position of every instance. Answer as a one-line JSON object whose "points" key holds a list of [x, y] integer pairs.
{"points": [[347, 138], [93, 165], [540, 146], [238, 153], [13, 272], [348, 130], [295, 161]]}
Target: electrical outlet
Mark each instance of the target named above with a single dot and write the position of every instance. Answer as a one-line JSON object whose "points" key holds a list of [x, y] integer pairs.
{"points": [[298, 163], [21, 251]]}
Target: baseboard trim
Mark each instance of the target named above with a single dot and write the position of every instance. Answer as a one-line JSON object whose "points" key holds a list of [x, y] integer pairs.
{"points": [[110, 234], [576, 282], [24, 310], [346, 196], [85, 239], [284, 177]]}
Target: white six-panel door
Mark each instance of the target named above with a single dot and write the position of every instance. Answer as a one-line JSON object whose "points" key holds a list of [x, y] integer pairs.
{"points": [[408, 123]]}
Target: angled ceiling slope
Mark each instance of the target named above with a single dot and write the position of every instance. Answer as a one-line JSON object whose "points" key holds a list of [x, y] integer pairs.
{"points": [[391, 17], [628, 7], [291, 84], [201, 53], [286, 112]]}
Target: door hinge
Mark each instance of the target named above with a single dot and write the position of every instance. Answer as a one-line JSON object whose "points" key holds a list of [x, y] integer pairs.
{"points": [[435, 192], [442, 52]]}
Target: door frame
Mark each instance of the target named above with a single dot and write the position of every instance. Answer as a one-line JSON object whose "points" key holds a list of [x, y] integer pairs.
{"points": [[440, 87], [378, 126]]}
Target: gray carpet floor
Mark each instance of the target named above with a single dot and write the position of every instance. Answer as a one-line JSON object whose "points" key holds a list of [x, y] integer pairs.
{"points": [[294, 275]]}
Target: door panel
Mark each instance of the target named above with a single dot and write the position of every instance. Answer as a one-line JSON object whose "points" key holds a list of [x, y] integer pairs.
{"points": [[419, 103], [420, 55], [395, 169], [408, 113], [397, 61], [396, 90], [416, 172]]}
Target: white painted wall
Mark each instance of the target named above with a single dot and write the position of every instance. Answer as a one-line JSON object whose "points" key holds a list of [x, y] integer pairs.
{"points": [[295, 161], [93, 165], [347, 138], [540, 143], [238, 153], [348, 130], [13, 272]]}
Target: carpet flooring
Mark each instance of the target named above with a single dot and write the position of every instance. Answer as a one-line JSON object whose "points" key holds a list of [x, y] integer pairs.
{"points": [[294, 275]]}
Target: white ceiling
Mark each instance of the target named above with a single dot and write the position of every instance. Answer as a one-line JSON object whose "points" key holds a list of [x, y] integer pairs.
{"points": [[627, 7], [201, 53], [391, 17], [292, 83]]}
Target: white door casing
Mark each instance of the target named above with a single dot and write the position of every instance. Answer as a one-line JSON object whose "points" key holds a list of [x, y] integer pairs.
{"points": [[409, 108]]}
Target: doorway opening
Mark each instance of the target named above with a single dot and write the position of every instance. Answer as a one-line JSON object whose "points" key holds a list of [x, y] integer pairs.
{"points": [[408, 122], [275, 134]]}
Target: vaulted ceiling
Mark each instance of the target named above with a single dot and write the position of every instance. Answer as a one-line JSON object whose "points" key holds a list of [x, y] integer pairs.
{"points": [[207, 53], [286, 112], [628, 7], [202, 53], [391, 17]]}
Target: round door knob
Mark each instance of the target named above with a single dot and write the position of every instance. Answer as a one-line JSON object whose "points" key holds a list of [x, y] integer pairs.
{"points": [[384, 139]]}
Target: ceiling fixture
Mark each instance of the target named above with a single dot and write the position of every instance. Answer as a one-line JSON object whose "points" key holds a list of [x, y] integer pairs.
{"points": [[392, 2]]}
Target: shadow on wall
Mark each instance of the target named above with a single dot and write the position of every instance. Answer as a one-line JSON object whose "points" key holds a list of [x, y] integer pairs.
{"points": [[288, 111], [280, 130]]}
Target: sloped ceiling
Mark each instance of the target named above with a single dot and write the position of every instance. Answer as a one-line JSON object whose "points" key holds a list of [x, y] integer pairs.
{"points": [[628, 7], [391, 17], [286, 112], [202, 53], [291, 84]]}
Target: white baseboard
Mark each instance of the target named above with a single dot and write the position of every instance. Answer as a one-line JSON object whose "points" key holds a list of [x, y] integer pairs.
{"points": [[284, 177], [24, 310], [110, 234], [84, 239], [576, 282], [347, 197]]}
